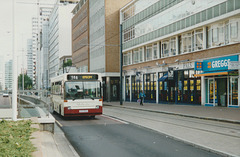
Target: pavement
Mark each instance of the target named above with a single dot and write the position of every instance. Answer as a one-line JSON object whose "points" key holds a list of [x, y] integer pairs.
{"points": [[225, 114], [225, 141], [49, 144], [56, 144]]}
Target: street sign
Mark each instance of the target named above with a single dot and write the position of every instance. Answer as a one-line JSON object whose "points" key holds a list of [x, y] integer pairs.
{"points": [[170, 73], [216, 64], [138, 76], [233, 65]]}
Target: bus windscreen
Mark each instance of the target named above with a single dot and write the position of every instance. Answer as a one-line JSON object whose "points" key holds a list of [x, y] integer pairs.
{"points": [[82, 90]]}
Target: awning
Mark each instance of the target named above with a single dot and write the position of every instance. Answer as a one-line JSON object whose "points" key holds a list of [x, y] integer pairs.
{"points": [[163, 78], [213, 73]]}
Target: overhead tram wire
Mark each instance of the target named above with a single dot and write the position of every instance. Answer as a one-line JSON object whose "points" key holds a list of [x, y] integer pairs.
{"points": [[37, 3], [120, 32], [107, 40]]}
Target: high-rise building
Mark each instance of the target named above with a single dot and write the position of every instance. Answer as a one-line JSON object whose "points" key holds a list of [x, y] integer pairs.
{"points": [[182, 51], [42, 46], [34, 49], [95, 37], [60, 43], [30, 67], [2, 73], [80, 36], [37, 23], [43, 60], [8, 75]]}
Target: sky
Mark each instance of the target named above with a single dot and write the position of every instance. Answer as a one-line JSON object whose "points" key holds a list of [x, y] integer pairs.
{"points": [[24, 11]]}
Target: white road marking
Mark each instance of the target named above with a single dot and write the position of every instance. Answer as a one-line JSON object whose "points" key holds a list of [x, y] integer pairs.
{"points": [[59, 123], [118, 120], [73, 150]]}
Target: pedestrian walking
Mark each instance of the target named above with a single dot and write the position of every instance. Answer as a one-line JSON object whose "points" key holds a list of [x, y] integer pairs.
{"points": [[141, 96]]}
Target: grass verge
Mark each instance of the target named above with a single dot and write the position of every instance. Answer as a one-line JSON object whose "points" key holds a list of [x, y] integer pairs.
{"points": [[15, 138]]}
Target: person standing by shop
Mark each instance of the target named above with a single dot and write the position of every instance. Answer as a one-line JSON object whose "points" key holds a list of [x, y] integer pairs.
{"points": [[141, 96]]}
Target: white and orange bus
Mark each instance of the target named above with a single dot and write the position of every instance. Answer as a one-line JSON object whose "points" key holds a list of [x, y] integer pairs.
{"points": [[77, 94]]}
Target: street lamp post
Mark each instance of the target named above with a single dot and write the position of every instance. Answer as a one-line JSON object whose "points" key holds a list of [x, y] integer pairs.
{"points": [[121, 64], [14, 81]]}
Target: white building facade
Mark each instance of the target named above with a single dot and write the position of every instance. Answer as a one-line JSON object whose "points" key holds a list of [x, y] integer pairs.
{"points": [[42, 44], [30, 67], [179, 51], [43, 60], [34, 49], [60, 36], [97, 35], [2, 84], [8, 75]]}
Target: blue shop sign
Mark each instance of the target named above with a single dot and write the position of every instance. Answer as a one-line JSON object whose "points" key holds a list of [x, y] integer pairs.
{"points": [[218, 63], [198, 66]]}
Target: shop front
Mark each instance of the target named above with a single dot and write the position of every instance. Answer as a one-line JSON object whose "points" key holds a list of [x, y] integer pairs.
{"points": [[220, 85], [111, 88], [178, 85], [150, 87], [133, 85]]}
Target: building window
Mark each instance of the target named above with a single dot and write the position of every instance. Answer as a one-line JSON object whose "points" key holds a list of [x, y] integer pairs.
{"points": [[226, 33], [148, 53], [173, 46], [135, 56], [141, 54], [129, 12], [234, 30], [187, 42], [127, 58], [199, 39], [215, 32], [155, 54], [223, 33], [128, 34], [165, 48]]}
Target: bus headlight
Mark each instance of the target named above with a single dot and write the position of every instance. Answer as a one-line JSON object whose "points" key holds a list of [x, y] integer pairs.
{"points": [[97, 106], [69, 107]]}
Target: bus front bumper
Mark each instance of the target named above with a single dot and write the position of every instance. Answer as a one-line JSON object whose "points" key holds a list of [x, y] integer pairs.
{"points": [[82, 112]]}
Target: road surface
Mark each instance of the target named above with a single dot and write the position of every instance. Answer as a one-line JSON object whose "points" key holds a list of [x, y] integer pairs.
{"points": [[105, 136]]}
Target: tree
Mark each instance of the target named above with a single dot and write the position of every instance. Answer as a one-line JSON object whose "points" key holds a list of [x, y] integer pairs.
{"points": [[27, 82], [67, 63]]}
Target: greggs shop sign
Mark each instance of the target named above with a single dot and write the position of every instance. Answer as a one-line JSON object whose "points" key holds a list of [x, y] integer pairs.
{"points": [[216, 63]]}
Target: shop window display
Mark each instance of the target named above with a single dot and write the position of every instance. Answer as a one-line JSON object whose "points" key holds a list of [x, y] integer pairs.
{"points": [[233, 96], [127, 88], [163, 89]]}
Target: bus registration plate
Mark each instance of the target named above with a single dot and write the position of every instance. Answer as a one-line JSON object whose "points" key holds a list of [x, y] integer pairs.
{"points": [[83, 111]]}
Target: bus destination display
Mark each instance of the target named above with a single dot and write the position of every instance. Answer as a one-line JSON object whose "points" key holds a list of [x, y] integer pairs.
{"points": [[82, 77]]}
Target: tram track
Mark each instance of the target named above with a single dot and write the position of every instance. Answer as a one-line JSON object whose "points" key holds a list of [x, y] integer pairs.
{"points": [[226, 129]]}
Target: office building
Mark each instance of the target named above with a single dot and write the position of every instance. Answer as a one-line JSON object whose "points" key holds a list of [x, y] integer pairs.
{"points": [[8, 75], [182, 51], [60, 43], [95, 27], [30, 67]]}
